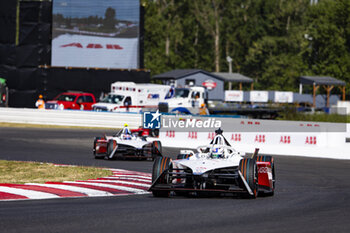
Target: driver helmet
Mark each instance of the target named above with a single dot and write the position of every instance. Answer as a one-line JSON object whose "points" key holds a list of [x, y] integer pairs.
{"points": [[217, 152], [126, 129]]}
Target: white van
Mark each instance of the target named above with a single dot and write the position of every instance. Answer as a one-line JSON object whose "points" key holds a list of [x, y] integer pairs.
{"points": [[134, 97]]}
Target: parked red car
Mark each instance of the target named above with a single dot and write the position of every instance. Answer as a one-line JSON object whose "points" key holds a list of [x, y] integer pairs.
{"points": [[72, 100]]}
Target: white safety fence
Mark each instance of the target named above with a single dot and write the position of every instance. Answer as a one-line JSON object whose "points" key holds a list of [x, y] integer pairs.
{"points": [[70, 118], [312, 139], [324, 144]]}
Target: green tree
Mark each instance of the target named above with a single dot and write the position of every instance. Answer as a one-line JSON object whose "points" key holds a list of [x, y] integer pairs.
{"points": [[242, 25], [275, 59], [164, 35], [272, 41], [110, 18], [209, 14], [328, 31]]}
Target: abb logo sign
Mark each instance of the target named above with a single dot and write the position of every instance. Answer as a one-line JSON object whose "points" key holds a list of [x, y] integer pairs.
{"points": [[260, 138], [312, 140], [285, 140], [250, 123], [211, 135], [236, 137], [192, 135], [264, 170], [92, 46], [309, 125], [170, 134]]}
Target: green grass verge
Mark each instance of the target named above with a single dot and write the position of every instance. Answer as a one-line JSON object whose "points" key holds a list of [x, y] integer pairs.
{"points": [[17, 172], [24, 125], [292, 115]]}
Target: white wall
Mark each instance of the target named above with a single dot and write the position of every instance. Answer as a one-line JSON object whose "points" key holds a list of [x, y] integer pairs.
{"points": [[323, 143]]}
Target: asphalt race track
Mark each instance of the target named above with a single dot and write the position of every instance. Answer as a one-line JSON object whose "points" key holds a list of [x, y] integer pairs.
{"points": [[312, 195]]}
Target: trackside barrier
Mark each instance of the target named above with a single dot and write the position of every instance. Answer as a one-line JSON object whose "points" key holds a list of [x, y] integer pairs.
{"points": [[294, 144], [323, 143], [311, 139], [70, 118]]}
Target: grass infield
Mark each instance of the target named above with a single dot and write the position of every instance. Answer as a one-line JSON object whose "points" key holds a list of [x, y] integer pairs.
{"points": [[17, 172]]}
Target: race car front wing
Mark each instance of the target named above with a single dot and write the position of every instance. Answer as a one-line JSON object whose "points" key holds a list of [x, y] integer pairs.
{"points": [[229, 180]]}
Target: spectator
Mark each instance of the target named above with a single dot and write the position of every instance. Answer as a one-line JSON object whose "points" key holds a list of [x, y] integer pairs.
{"points": [[40, 103], [203, 110]]}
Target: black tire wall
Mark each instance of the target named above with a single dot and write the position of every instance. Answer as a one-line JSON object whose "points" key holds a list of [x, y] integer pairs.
{"points": [[23, 53]]}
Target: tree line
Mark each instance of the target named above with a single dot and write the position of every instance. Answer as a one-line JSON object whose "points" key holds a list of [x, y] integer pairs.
{"points": [[272, 41]]}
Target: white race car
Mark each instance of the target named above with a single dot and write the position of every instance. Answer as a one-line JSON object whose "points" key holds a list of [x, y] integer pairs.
{"points": [[215, 168], [127, 144]]}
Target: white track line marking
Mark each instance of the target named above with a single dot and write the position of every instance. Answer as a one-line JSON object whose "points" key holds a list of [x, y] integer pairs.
{"points": [[87, 191], [129, 172], [118, 187], [131, 176], [122, 182], [126, 178], [28, 193]]}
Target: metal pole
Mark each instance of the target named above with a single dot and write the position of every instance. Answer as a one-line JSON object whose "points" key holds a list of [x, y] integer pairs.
{"points": [[229, 60], [314, 94], [230, 66]]}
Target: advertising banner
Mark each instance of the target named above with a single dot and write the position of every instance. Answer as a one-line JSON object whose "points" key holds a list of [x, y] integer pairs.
{"points": [[259, 96], [234, 96], [283, 97], [90, 33], [209, 84]]}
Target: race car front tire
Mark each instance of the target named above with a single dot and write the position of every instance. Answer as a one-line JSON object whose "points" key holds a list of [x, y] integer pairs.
{"points": [[110, 147], [156, 149], [249, 170], [159, 166], [97, 156]]}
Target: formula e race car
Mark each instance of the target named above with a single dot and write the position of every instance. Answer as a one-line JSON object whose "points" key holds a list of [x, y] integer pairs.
{"points": [[216, 168], [127, 144]]}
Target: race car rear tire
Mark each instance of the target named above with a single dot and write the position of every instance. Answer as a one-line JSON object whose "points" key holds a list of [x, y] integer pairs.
{"points": [[268, 158], [156, 149], [110, 147], [159, 166], [249, 171]]}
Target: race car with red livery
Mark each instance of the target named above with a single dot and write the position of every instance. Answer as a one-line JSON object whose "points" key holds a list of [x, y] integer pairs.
{"points": [[216, 168], [127, 144]]}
